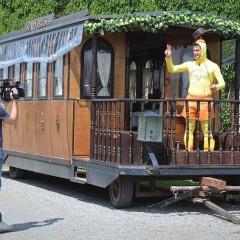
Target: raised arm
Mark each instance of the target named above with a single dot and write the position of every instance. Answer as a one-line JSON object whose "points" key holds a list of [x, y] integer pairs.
{"points": [[173, 68], [168, 51], [14, 111]]}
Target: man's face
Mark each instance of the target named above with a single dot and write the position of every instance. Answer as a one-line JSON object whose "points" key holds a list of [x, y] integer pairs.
{"points": [[196, 52]]}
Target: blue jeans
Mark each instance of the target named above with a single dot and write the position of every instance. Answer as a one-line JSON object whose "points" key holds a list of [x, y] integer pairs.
{"points": [[1, 166]]}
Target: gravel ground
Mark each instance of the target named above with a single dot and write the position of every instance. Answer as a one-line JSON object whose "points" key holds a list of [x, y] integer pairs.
{"points": [[49, 208]]}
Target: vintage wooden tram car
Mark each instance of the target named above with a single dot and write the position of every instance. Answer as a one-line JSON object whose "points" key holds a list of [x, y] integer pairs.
{"points": [[100, 107]]}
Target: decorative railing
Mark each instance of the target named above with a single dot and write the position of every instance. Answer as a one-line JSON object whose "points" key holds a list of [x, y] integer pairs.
{"points": [[114, 132]]}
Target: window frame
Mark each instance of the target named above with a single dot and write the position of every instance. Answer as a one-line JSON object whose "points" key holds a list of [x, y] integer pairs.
{"points": [[40, 78], [88, 46], [55, 96], [30, 79]]}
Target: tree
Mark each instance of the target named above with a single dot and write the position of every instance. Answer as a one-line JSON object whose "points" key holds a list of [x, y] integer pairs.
{"points": [[16, 12]]}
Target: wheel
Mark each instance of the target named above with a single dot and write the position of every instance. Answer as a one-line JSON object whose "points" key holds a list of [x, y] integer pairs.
{"points": [[16, 173], [121, 192], [232, 196], [234, 180]]}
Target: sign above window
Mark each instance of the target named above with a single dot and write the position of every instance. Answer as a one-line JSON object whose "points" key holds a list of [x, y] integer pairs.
{"points": [[38, 23]]}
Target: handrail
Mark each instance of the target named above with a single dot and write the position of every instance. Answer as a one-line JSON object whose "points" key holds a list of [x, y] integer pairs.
{"points": [[114, 133]]}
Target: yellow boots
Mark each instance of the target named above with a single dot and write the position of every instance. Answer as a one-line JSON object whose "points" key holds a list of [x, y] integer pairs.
{"points": [[211, 144], [208, 143], [191, 128]]}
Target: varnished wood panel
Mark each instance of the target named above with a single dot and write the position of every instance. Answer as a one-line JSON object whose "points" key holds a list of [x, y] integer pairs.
{"points": [[118, 41], [75, 71], [28, 127], [16, 131], [6, 136], [70, 126], [204, 158], [65, 75], [82, 128], [136, 150], [59, 129], [43, 129], [50, 80]]}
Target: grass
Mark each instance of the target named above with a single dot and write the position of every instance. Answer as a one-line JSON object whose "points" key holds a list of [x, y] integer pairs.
{"points": [[166, 184]]}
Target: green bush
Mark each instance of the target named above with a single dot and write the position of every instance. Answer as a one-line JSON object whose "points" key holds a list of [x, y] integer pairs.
{"points": [[228, 73]]}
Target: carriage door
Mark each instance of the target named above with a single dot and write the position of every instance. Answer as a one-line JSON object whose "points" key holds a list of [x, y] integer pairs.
{"points": [[146, 68]]}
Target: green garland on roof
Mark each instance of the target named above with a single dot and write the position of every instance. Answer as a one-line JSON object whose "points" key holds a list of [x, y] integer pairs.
{"points": [[161, 21]]}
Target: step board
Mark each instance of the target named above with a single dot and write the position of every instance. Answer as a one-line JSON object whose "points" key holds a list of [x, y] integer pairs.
{"points": [[78, 180]]}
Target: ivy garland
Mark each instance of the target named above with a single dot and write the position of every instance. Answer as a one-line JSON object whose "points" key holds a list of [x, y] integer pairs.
{"points": [[161, 21]]}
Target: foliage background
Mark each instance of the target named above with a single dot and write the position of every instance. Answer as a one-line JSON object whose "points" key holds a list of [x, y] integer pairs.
{"points": [[14, 13]]}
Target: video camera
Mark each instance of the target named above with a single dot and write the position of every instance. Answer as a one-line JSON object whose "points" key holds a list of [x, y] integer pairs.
{"points": [[6, 86]]}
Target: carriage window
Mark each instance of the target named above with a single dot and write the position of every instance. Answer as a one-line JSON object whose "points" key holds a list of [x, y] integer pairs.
{"points": [[4, 73], [104, 84], [42, 80], [29, 80], [58, 77], [16, 73], [133, 81], [147, 85]]}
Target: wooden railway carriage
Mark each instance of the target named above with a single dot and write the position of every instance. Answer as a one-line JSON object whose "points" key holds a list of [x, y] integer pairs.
{"points": [[101, 108]]}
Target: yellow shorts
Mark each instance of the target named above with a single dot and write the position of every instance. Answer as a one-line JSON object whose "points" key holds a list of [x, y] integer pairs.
{"points": [[203, 111]]}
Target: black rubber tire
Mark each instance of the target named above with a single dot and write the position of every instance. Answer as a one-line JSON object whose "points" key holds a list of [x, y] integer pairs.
{"points": [[232, 181], [121, 192], [16, 173]]}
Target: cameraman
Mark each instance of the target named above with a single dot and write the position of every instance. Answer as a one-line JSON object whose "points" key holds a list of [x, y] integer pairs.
{"points": [[9, 119]]}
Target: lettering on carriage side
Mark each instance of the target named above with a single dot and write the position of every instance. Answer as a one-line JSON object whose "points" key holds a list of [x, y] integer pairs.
{"points": [[38, 23]]}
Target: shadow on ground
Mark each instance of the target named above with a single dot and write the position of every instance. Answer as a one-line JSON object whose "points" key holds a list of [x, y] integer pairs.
{"points": [[99, 196], [24, 226]]}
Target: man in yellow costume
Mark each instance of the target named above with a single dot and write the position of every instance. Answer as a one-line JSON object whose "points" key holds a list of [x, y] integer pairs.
{"points": [[205, 78]]}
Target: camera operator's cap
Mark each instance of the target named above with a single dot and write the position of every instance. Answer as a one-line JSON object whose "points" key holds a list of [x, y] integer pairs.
{"points": [[199, 33]]}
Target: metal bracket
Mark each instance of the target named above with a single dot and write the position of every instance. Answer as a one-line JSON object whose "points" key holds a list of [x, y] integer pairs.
{"points": [[176, 198], [212, 185], [152, 158], [219, 210]]}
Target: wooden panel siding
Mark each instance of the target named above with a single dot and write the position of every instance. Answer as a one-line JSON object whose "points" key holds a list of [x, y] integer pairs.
{"points": [[75, 73], [43, 128], [6, 136], [66, 75], [28, 127], [82, 128], [70, 126], [118, 43], [16, 131], [59, 129]]}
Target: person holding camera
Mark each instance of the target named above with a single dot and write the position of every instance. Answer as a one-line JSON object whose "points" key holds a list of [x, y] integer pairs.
{"points": [[9, 118]]}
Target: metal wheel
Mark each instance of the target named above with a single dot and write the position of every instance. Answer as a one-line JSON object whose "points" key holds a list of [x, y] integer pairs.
{"points": [[16, 173], [121, 192]]}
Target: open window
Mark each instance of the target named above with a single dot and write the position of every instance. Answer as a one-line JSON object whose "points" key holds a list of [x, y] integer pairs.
{"points": [[147, 54], [133, 81], [28, 80], [58, 78], [4, 73], [42, 80], [16, 72]]}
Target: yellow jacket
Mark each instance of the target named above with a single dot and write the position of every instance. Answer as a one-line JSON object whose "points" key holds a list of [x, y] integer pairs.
{"points": [[202, 73]]}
